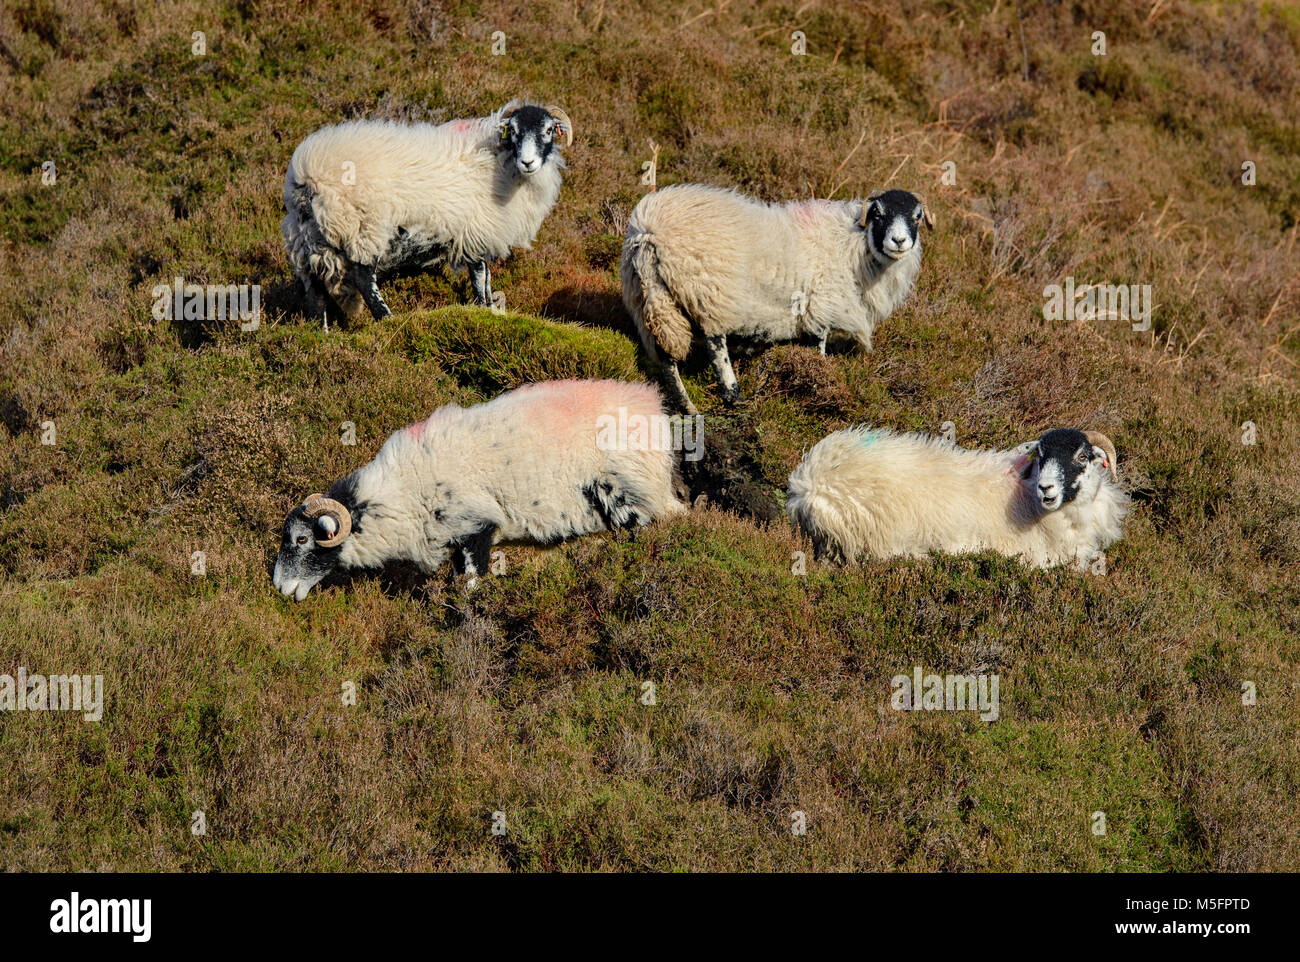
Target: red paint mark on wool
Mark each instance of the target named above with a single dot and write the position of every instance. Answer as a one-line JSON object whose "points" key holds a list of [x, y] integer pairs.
{"points": [[1017, 469], [805, 211], [558, 405]]}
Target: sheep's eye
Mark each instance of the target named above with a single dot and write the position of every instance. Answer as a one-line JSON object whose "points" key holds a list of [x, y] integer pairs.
{"points": [[301, 539], [1082, 457]]}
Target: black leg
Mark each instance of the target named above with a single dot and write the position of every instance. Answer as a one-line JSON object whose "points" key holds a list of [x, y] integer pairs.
{"points": [[819, 548], [481, 275], [314, 297], [476, 551], [363, 278], [675, 389]]}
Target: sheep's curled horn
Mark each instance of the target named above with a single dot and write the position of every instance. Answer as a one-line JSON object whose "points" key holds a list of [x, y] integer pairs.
{"points": [[926, 216], [560, 116], [866, 206], [1100, 440], [563, 120], [317, 505]]}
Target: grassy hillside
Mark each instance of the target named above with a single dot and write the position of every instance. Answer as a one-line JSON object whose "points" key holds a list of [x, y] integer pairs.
{"points": [[1120, 693]]}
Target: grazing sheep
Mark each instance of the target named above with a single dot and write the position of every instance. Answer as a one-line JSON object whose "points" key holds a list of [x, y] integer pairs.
{"points": [[705, 260], [862, 492], [368, 197], [540, 463]]}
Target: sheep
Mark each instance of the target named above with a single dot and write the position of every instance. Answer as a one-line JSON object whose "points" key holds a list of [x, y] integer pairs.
{"points": [[541, 463], [863, 492], [366, 198], [699, 258]]}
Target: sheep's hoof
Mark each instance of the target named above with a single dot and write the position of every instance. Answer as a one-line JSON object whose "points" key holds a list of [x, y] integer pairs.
{"points": [[680, 401]]}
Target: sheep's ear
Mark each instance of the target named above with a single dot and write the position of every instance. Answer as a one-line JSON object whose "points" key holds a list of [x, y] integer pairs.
{"points": [[1026, 454], [507, 112]]}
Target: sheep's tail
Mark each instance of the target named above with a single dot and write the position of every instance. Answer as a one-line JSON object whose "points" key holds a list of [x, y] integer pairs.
{"points": [[659, 320], [310, 254], [819, 517]]}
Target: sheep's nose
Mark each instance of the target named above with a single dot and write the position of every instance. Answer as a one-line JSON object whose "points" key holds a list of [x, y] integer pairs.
{"points": [[899, 240], [1047, 490]]}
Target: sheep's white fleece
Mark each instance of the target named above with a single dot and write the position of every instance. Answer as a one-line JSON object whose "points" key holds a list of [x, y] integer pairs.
{"points": [[863, 492], [736, 265], [446, 185], [525, 462]]}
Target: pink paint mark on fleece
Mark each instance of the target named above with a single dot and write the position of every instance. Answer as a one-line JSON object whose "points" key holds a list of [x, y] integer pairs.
{"points": [[558, 405], [806, 212], [415, 432], [1017, 469]]}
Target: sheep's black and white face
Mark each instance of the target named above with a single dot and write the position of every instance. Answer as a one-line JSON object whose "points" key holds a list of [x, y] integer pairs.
{"points": [[530, 135], [302, 562], [1064, 467], [893, 224]]}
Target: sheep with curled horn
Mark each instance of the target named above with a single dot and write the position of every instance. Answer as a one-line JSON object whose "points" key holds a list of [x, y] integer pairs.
{"points": [[541, 463], [873, 493], [368, 198], [703, 264]]}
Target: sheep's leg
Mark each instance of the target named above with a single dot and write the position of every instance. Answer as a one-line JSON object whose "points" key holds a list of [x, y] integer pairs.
{"points": [[476, 553], [821, 345], [819, 548], [481, 276], [722, 366], [315, 298], [674, 388], [363, 278]]}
